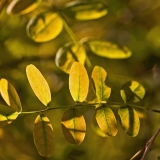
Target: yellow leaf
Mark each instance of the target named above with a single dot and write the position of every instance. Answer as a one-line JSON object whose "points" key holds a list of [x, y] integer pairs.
{"points": [[73, 126], [38, 84], [78, 82], [45, 27], [43, 136], [10, 96]]}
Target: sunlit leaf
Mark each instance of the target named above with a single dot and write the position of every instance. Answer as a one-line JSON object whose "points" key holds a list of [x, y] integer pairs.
{"points": [[38, 84], [129, 120], [45, 26], [86, 10], [99, 76], [108, 50], [73, 126], [43, 136], [22, 6], [68, 54], [106, 120], [78, 82], [10, 96], [7, 115], [132, 92]]}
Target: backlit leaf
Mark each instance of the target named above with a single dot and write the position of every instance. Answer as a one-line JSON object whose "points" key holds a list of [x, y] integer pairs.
{"points": [[78, 82], [99, 76], [7, 115], [106, 120], [85, 10], [68, 54], [10, 96], [73, 126], [129, 120], [22, 6], [43, 136], [108, 50], [38, 84], [45, 26], [132, 92]]}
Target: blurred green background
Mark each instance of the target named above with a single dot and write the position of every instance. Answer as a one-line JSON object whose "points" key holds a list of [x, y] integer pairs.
{"points": [[134, 23]]}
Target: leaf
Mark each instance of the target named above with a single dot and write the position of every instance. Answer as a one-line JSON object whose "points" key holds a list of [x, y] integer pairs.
{"points": [[108, 50], [68, 54], [85, 10], [132, 92], [99, 76], [129, 120], [43, 136], [7, 115], [73, 126], [38, 84], [10, 96], [45, 27], [22, 6], [106, 120], [78, 82]]}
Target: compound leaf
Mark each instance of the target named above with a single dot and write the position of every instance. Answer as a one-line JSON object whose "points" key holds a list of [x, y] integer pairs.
{"points": [[99, 76], [73, 126], [44, 27], [68, 54], [22, 6], [86, 10], [7, 115], [108, 50], [43, 136], [10, 96], [132, 92], [106, 120], [78, 82], [38, 84], [129, 120]]}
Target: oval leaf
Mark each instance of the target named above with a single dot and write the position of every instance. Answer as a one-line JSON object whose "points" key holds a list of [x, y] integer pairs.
{"points": [[129, 120], [99, 76], [106, 120], [132, 92], [108, 50], [86, 10], [78, 82], [10, 95], [44, 27], [7, 115], [38, 84], [43, 136], [22, 7], [68, 54], [73, 126]]}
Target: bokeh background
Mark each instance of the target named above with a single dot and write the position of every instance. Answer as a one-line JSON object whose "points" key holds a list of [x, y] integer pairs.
{"points": [[134, 23]]}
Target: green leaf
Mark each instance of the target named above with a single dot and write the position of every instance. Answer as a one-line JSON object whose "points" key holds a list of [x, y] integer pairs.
{"points": [[43, 136], [7, 115], [132, 92], [99, 76], [78, 82], [22, 6], [129, 120], [68, 54], [108, 50], [96, 127], [38, 84], [73, 126], [10, 96], [45, 27], [106, 120], [85, 10]]}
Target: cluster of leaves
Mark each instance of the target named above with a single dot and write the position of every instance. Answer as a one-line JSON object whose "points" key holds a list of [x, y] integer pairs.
{"points": [[73, 122]]}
